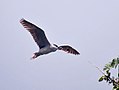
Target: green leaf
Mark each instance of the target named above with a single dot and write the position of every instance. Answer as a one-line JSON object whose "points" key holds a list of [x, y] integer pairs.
{"points": [[116, 62], [113, 63], [115, 88], [107, 67], [107, 72], [101, 79]]}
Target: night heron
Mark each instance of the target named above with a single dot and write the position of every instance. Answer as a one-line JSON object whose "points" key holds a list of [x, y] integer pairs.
{"points": [[40, 38]]}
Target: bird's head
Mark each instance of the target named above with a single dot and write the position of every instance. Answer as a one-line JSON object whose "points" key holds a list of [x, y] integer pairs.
{"points": [[35, 55]]}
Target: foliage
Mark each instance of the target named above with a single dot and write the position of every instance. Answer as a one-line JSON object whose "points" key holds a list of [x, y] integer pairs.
{"points": [[108, 77]]}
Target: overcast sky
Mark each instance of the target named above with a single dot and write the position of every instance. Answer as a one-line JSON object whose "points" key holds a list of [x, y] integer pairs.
{"points": [[90, 26]]}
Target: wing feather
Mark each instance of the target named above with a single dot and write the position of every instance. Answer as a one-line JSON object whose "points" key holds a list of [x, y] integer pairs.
{"points": [[37, 33], [69, 49]]}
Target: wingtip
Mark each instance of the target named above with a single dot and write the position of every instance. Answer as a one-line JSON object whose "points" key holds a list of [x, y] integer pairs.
{"points": [[22, 20], [76, 53]]}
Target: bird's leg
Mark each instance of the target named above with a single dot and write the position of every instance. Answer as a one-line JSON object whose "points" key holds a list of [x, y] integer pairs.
{"points": [[55, 45]]}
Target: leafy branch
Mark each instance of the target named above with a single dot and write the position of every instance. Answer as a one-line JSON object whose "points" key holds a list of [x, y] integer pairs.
{"points": [[108, 77]]}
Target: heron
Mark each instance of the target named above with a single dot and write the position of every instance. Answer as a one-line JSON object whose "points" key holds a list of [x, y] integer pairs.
{"points": [[41, 40]]}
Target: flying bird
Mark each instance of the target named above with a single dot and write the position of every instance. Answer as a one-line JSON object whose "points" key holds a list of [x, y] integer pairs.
{"points": [[44, 45]]}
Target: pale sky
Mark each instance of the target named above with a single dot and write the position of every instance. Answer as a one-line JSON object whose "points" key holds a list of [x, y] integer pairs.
{"points": [[90, 26]]}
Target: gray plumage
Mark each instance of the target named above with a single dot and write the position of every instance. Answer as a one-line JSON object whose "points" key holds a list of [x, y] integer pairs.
{"points": [[44, 45]]}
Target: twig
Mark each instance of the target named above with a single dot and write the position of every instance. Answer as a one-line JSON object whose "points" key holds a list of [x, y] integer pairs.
{"points": [[96, 67], [115, 83]]}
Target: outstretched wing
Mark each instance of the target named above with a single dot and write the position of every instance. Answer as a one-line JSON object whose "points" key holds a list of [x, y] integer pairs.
{"points": [[69, 49], [37, 33]]}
